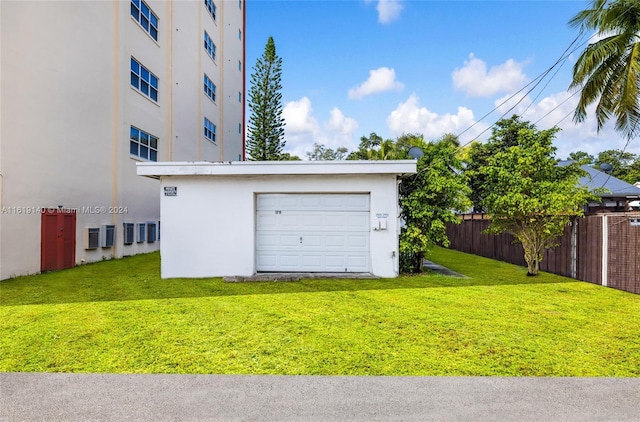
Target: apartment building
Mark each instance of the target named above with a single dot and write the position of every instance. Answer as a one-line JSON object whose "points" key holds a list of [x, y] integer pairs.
{"points": [[90, 88]]}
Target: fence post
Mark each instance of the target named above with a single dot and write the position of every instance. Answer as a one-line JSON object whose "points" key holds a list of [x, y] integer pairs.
{"points": [[574, 247], [605, 248]]}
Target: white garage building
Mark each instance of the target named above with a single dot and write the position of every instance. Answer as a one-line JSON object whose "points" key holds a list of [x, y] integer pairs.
{"points": [[243, 218]]}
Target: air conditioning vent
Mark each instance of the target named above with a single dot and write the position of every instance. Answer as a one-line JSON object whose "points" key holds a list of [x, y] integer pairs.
{"points": [[151, 232], [129, 233], [141, 232], [108, 236], [91, 237]]}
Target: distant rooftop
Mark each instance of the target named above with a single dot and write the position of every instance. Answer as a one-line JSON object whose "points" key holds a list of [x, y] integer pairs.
{"points": [[596, 179]]}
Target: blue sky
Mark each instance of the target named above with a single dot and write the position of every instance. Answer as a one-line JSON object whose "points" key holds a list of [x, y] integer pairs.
{"points": [[352, 67]]}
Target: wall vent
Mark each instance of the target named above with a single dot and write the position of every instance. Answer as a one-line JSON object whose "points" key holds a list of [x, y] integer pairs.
{"points": [[91, 237], [108, 238], [151, 231], [141, 232], [129, 233]]}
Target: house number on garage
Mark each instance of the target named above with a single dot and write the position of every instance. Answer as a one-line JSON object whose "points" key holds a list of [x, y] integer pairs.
{"points": [[170, 191]]}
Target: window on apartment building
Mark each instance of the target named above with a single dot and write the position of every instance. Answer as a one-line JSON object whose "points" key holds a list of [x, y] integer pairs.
{"points": [[209, 46], [209, 88], [240, 4], [239, 97], [240, 128], [143, 145], [239, 34], [143, 80], [142, 13], [239, 65], [211, 7], [209, 130]]}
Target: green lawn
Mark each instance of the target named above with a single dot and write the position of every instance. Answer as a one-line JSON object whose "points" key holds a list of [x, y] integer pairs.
{"points": [[120, 317]]}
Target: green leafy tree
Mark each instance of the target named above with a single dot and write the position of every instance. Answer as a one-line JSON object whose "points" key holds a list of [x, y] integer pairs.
{"points": [[581, 157], [322, 153], [504, 135], [265, 134], [621, 161], [633, 176], [367, 150], [608, 71], [286, 156], [530, 196], [429, 199]]}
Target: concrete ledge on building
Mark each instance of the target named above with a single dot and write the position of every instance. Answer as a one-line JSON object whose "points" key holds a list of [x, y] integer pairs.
{"points": [[296, 277]]}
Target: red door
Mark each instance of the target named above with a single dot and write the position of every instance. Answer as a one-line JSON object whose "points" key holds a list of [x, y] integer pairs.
{"points": [[58, 240]]}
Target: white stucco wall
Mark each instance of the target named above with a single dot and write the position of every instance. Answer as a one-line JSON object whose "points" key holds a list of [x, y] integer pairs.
{"points": [[68, 105], [208, 229]]}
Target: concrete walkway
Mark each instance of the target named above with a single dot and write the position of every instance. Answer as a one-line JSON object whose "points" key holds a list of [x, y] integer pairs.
{"points": [[442, 270], [103, 397]]}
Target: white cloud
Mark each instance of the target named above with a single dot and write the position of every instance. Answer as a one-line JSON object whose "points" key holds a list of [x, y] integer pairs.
{"points": [[410, 117], [302, 129], [298, 116], [475, 81], [380, 80], [389, 10]]}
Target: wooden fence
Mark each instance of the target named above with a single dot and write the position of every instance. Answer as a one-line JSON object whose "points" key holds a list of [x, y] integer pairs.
{"points": [[603, 249]]}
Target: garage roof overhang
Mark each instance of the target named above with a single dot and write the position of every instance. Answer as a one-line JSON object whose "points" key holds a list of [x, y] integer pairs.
{"points": [[271, 168]]}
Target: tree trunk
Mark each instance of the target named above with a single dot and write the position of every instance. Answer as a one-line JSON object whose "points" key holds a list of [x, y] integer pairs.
{"points": [[533, 254], [533, 267], [418, 263]]}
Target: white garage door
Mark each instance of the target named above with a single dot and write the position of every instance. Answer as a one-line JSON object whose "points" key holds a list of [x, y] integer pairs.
{"points": [[312, 232]]}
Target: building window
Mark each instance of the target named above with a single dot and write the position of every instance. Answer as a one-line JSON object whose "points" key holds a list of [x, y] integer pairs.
{"points": [[240, 128], [209, 46], [209, 88], [239, 97], [143, 145], [239, 65], [145, 17], [143, 80], [239, 34], [211, 7], [209, 130], [240, 4]]}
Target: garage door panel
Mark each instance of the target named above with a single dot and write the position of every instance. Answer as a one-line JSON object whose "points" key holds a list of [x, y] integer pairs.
{"points": [[357, 261], [266, 221], [358, 242], [313, 232], [312, 220], [266, 240], [313, 202], [267, 260]]}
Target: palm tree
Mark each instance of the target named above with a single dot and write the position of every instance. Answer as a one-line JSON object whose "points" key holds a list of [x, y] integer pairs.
{"points": [[609, 69]]}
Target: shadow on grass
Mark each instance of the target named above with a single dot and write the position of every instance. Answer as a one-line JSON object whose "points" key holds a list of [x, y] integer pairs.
{"points": [[138, 278]]}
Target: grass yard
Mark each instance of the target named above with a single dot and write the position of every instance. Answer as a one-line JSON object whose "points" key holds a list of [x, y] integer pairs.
{"points": [[120, 317]]}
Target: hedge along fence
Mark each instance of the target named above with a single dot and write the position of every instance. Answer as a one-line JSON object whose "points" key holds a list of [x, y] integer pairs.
{"points": [[603, 249]]}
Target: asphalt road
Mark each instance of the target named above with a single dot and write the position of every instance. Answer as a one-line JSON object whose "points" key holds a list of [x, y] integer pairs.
{"points": [[106, 397]]}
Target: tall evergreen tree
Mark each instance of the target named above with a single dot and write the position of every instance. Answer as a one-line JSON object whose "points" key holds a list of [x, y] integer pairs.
{"points": [[265, 137]]}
